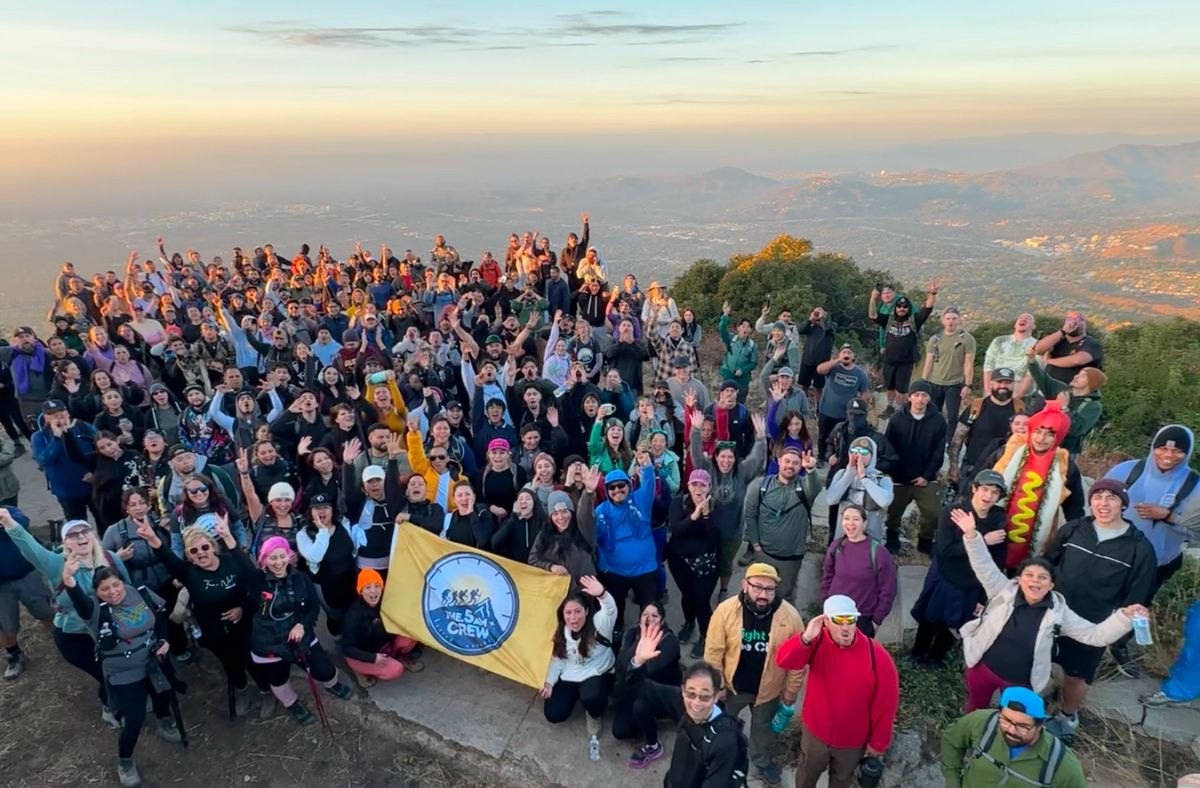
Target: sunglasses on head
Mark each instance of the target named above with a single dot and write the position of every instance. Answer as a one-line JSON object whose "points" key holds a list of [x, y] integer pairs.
{"points": [[844, 621], [203, 547], [199, 488]]}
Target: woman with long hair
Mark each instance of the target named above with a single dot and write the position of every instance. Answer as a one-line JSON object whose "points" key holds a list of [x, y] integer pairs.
{"points": [[516, 534], [562, 547], [120, 418], [664, 669], [283, 632], [114, 468], [791, 432], [129, 627], [329, 546], [581, 668], [71, 632], [202, 505], [607, 446]]}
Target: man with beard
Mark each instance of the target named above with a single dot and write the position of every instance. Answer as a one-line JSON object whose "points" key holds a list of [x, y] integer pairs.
{"points": [[844, 380], [1009, 351], [1011, 742], [744, 635], [982, 424], [901, 338], [1070, 349]]}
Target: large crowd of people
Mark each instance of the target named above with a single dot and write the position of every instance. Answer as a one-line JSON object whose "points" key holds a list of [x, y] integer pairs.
{"points": [[235, 444]]}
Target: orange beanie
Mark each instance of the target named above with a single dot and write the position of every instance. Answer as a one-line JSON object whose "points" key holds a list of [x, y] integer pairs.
{"points": [[368, 576]]}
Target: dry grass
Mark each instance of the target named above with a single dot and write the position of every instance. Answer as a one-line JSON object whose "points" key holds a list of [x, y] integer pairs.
{"points": [[1127, 758]]}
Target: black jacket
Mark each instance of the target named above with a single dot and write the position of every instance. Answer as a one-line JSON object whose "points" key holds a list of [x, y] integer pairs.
{"points": [[920, 444], [363, 635], [951, 553], [1098, 577], [705, 754]]}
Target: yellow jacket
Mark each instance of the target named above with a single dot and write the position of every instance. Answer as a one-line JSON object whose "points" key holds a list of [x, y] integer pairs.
{"points": [[397, 419], [420, 464], [723, 647]]}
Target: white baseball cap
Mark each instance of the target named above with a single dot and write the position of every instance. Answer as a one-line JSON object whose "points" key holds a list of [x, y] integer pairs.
{"points": [[373, 472], [840, 605]]}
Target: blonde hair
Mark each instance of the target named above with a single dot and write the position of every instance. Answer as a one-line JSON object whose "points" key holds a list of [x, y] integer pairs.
{"points": [[196, 533]]}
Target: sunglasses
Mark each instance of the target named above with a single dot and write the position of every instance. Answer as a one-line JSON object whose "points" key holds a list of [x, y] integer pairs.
{"points": [[860, 450], [79, 534], [199, 488], [844, 621], [618, 487], [203, 547], [436, 457], [726, 444]]}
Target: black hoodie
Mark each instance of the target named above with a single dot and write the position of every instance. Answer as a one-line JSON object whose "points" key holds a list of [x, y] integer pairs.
{"points": [[920, 443]]}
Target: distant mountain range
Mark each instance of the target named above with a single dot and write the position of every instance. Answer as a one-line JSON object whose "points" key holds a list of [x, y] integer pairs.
{"points": [[1126, 180]]}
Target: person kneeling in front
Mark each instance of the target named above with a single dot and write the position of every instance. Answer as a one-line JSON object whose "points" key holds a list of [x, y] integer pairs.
{"points": [[850, 698], [581, 669]]}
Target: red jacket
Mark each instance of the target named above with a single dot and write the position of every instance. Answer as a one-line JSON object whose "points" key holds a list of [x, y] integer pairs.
{"points": [[844, 706]]}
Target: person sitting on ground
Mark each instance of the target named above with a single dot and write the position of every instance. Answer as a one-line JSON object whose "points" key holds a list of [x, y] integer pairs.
{"points": [[581, 666], [663, 669], [860, 567], [370, 651], [1011, 745], [851, 695], [1000, 655], [129, 627]]}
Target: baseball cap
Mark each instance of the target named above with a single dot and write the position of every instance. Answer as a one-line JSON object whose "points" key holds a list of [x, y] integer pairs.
{"points": [[681, 361], [991, 478], [1003, 373], [492, 339], [176, 450], [700, 476], [840, 605], [785, 372], [53, 406], [320, 499], [856, 405], [23, 330], [762, 570], [951, 310], [373, 473], [1024, 700]]}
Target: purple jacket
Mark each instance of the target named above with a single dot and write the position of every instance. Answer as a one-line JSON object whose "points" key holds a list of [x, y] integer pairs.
{"points": [[848, 571]]}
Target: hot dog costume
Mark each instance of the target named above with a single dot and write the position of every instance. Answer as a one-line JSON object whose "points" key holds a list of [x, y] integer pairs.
{"points": [[1037, 485]]}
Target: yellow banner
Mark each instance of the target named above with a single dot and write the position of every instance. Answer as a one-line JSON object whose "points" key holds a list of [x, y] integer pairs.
{"points": [[492, 612]]}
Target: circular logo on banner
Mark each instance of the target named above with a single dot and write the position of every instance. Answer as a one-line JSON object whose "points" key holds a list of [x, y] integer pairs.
{"points": [[469, 604]]}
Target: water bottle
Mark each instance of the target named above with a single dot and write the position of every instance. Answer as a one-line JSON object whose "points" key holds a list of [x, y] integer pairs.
{"points": [[1141, 631], [593, 749], [782, 717]]}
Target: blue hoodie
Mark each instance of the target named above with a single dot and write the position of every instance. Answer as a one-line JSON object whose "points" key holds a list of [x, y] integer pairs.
{"points": [[63, 473], [624, 542], [1154, 486]]}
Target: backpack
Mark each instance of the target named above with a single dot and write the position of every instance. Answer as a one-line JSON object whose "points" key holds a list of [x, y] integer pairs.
{"points": [[841, 544], [737, 778], [798, 487], [1049, 768], [1189, 483]]}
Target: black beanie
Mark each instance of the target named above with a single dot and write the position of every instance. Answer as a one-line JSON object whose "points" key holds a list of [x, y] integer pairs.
{"points": [[1174, 434]]}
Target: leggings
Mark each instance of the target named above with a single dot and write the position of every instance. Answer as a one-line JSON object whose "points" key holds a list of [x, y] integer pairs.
{"points": [[130, 700], [231, 645], [695, 591], [653, 702], [933, 641], [12, 420], [277, 674], [642, 586], [659, 533], [982, 684], [387, 667], [79, 650], [593, 693]]}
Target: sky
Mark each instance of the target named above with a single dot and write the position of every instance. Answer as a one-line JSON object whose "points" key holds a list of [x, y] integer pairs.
{"points": [[127, 97]]}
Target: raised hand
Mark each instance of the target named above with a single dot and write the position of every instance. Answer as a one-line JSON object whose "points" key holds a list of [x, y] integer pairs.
{"points": [[305, 445], [689, 399], [395, 444], [813, 630], [243, 460], [778, 392], [552, 416], [352, 391], [726, 309], [591, 586], [808, 461], [648, 641], [964, 520], [70, 567], [591, 478], [351, 450], [760, 424], [414, 424], [221, 529]]}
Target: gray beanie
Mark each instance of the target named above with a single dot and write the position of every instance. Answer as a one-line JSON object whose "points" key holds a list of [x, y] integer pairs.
{"points": [[558, 499]]}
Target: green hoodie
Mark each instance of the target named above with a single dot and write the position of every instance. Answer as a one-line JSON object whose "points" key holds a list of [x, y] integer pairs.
{"points": [[1084, 411]]}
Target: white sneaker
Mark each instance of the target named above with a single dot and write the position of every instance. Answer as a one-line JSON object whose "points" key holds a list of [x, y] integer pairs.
{"points": [[15, 666], [109, 718]]}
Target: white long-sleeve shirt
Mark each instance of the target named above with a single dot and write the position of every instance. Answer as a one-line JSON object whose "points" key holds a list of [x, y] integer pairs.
{"points": [[600, 659]]}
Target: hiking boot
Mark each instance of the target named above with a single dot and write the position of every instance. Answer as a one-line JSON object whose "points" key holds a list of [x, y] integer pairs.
{"points": [[127, 773], [771, 774], [644, 756], [168, 731], [1125, 662], [340, 690], [412, 664], [1063, 726], [689, 629], [266, 707], [185, 657], [300, 714], [244, 700], [16, 664], [924, 545], [698, 649], [1160, 699]]}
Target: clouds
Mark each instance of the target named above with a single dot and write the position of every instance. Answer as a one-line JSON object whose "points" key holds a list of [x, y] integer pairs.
{"points": [[578, 29]]}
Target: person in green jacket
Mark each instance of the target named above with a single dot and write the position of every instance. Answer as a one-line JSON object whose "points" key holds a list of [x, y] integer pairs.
{"points": [[1008, 746], [741, 352], [1080, 399]]}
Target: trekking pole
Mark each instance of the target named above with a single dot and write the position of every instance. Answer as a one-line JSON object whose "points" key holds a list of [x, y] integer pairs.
{"points": [[173, 699], [316, 693]]}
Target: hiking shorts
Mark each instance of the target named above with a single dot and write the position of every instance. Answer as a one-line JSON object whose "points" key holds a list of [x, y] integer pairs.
{"points": [[30, 591], [897, 376], [1078, 660]]}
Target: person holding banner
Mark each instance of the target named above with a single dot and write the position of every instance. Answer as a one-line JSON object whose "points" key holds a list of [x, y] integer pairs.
{"points": [[581, 670], [624, 538]]}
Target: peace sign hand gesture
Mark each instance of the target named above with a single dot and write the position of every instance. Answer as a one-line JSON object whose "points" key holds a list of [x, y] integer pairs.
{"points": [[808, 461]]}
